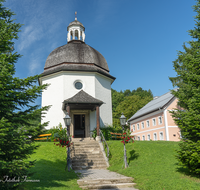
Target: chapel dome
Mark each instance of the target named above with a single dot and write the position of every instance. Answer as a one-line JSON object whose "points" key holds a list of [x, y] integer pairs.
{"points": [[76, 51]]}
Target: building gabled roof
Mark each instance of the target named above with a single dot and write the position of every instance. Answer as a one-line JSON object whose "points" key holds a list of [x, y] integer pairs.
{"points": [[82, 98], [154, 105]]}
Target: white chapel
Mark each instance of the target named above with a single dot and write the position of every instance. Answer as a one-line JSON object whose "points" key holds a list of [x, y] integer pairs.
{"points": [[79, 83]]}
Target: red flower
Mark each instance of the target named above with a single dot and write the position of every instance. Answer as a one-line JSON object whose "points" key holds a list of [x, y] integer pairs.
{"points": [[54, 143], [54, 139], [60, 140], [67, 142], [64, 142], [62, 145], [57, 144], [125, 133], [72, 136]]}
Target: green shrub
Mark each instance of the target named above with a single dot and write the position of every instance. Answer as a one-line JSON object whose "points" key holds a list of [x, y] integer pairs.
{"points": [[189, 155], [57, 132], [106, 131]]}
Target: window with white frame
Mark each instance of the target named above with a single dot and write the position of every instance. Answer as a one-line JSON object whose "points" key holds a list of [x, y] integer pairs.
{"points": [[159, 120], [133, 127], [143, 137], [148, 125], [142, 125], [161, 136], [138, 126], [138, 138], [148, 137], [154, 121], [155, 137]]}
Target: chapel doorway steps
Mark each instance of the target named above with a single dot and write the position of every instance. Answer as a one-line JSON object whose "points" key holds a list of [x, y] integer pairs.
{"points": [[104, 179], [86, 154], [114, 183]]}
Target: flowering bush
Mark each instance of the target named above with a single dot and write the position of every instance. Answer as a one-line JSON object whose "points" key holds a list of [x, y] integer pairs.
{"points": [[126, 137], [62, 142], [61, 137]]}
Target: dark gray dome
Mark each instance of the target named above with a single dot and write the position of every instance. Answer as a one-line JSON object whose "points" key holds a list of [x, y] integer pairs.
{"points": [[76, 51]]}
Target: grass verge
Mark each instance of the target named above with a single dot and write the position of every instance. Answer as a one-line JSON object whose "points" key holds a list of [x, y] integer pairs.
{"points": [[152, 164], [49, 169]]}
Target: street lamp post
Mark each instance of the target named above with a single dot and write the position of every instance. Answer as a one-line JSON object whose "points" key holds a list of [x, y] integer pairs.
{"points": [[67, 120], [123, 122]]}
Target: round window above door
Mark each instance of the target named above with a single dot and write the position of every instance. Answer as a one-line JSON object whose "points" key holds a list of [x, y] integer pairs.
{"points": [[78, 85]]}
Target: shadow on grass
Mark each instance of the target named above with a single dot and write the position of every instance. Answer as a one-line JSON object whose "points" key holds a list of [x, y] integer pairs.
{"points": [[50, 174], [185, 171], [134, 155]]}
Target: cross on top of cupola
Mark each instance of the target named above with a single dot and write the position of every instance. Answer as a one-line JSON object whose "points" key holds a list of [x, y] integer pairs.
{"points": [[76, 30]]}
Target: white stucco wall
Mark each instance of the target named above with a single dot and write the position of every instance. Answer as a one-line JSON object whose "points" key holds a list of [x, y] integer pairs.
{"points": [[53, 96], [103, 93], [62, 87], [87, 79]]}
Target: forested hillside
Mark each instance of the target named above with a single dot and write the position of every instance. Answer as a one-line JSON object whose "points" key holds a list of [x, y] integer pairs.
{"points": [[128, 102]]}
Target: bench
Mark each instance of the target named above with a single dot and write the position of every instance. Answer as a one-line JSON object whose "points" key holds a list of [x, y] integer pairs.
{"points": [[116, 135], [44, 137]]}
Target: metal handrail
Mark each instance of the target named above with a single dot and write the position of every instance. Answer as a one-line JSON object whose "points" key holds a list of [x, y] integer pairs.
{"points": [[104, 141]]}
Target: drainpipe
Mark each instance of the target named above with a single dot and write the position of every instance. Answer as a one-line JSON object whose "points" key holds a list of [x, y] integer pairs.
{"points": [[166, 125]]}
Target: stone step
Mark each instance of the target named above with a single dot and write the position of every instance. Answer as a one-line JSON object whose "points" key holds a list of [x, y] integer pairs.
{"points": [[85, 143], [83, 182], [85, 148], [82, 140], [85, 153], [108, 186], [88, 159], [89, 164], [88, 167]]}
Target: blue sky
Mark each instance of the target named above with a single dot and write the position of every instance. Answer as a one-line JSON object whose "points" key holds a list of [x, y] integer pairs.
{"points": [[139, 39]]}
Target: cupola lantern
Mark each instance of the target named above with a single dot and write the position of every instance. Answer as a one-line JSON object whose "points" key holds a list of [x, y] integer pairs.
{"points": [[76, 30]]}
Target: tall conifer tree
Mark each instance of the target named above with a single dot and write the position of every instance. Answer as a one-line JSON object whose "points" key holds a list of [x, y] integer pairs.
{"points": [[17, 131], [187, 117]]}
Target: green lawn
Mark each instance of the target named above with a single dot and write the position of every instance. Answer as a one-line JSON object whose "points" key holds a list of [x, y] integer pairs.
{"points": [[153, 165], [50, 170]]}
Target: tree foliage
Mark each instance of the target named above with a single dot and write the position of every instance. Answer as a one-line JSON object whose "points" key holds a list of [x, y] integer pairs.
{"points": [[128, 102], [187, 67], [17, 109]]}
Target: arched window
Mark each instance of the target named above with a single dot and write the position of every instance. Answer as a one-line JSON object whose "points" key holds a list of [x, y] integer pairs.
{"points": [[76, 35]]}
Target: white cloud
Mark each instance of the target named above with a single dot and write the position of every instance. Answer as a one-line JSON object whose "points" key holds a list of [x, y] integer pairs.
{"points": [[29, 35], [34, 66]]}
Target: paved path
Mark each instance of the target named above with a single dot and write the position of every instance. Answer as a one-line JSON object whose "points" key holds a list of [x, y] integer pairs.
{"points": [[100, 174]]}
